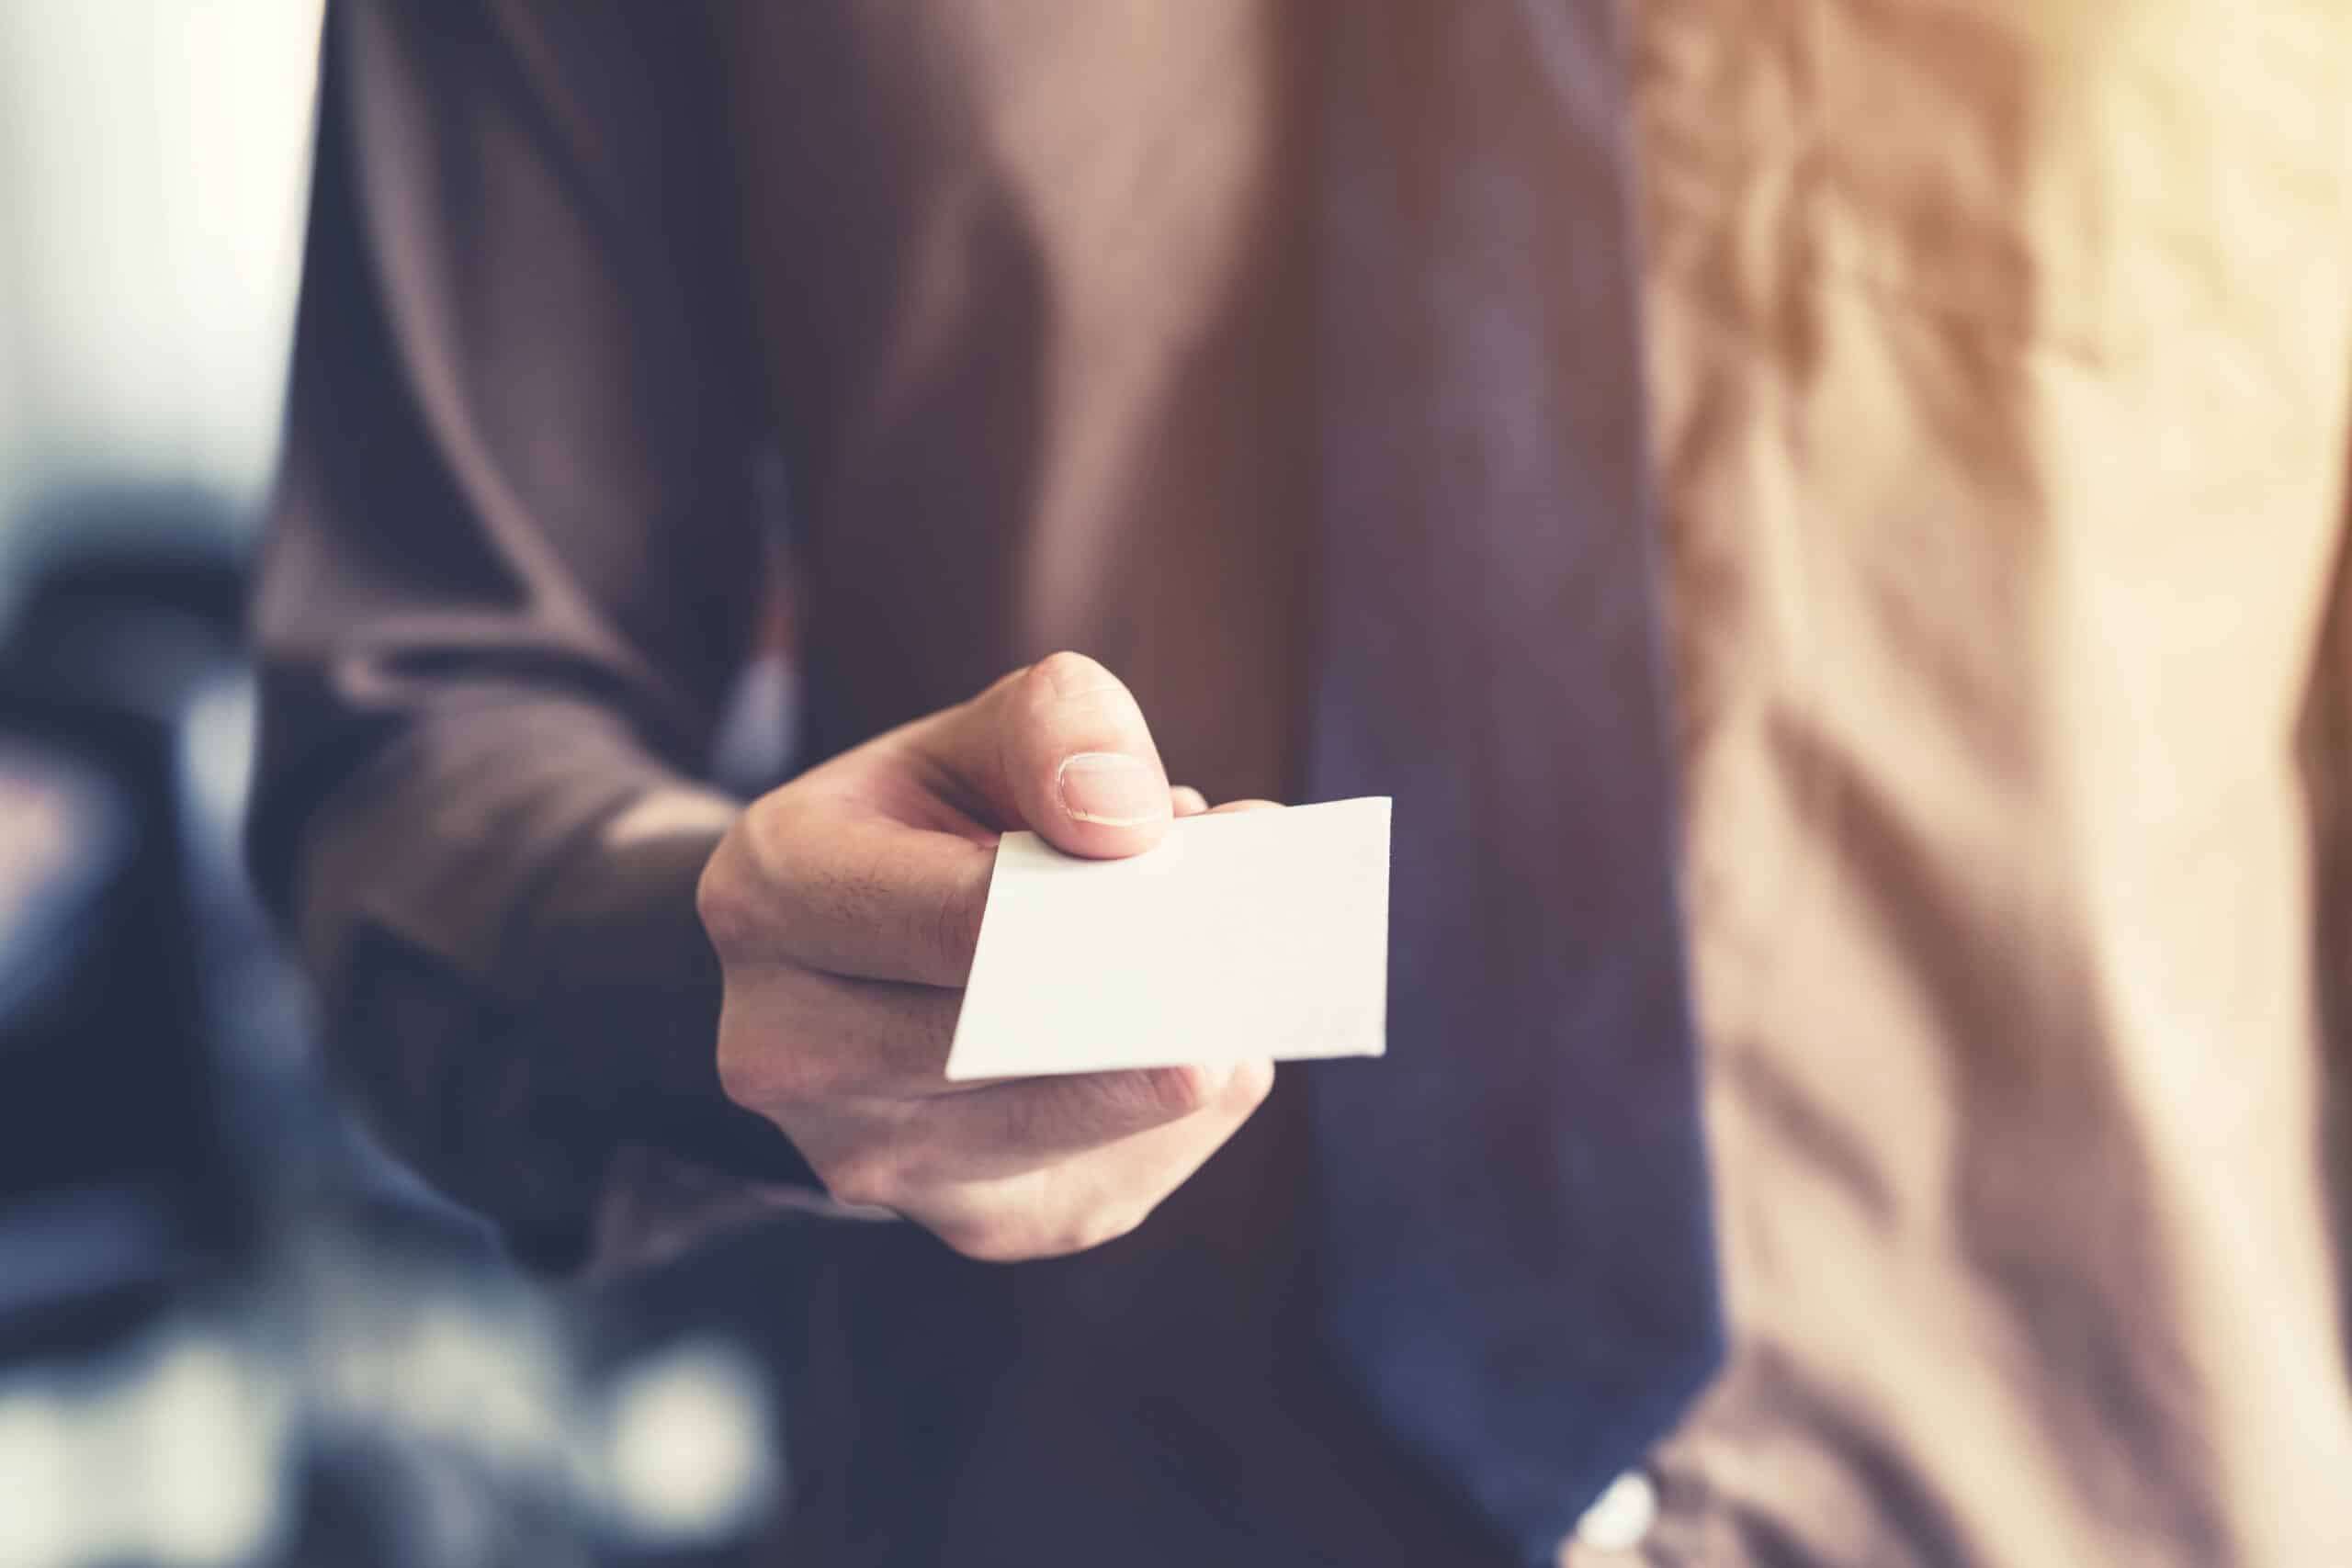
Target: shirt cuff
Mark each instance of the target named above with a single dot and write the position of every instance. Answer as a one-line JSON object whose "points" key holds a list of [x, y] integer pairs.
{"points": [[618, 953]]}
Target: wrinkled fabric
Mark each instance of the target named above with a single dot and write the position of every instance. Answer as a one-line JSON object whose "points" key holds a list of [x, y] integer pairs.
{"points": [[1997, 359], [1992, 389]]}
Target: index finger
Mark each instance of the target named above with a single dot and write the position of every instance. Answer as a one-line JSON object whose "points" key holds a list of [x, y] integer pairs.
{"points": [[863, 896]]}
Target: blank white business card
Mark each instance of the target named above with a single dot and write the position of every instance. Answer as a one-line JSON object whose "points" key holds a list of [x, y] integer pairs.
{"points": [[1258, 933]]}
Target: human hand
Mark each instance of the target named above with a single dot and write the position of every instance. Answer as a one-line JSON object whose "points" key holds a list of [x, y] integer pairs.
{"points": [[845, 906]]}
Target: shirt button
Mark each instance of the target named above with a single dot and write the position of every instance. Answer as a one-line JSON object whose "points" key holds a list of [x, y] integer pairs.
{"points": [[1622, 1516]]}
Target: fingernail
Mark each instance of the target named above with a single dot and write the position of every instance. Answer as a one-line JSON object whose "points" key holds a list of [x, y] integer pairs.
{"points": [[1111, 789]]}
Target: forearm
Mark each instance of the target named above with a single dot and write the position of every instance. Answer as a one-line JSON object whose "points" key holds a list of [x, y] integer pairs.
{"points": [[499, 908], [510, 566]]}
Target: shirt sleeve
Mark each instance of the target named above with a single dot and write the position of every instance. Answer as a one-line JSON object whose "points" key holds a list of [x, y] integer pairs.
{"points": [[510, 566]]}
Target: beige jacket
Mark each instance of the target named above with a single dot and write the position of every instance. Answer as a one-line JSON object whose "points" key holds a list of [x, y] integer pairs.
{"points": [[1999, 360]]}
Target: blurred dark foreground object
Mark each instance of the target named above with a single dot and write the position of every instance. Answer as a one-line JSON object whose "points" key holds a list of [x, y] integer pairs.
{"points": [[232, 1332], [111, 1170]]}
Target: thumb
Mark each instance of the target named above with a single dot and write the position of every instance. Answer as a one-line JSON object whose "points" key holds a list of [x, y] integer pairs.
{"points": [[1061, 748]]}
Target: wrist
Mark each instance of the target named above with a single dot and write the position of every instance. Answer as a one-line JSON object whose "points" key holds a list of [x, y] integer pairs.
{"points": [[622, 966]]}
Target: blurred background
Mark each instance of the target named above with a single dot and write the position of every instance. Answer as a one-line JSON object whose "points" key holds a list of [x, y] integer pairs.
{"points": [[230, 1331]]}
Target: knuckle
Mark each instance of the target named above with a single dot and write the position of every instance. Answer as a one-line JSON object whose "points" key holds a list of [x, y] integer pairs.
{"points": [[771, 1074], [722, 908], [1106, 1223], [990, 1241], [1022, 1234], [864, 1182], [764, 829], [737, 1079], [735, 896]]}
